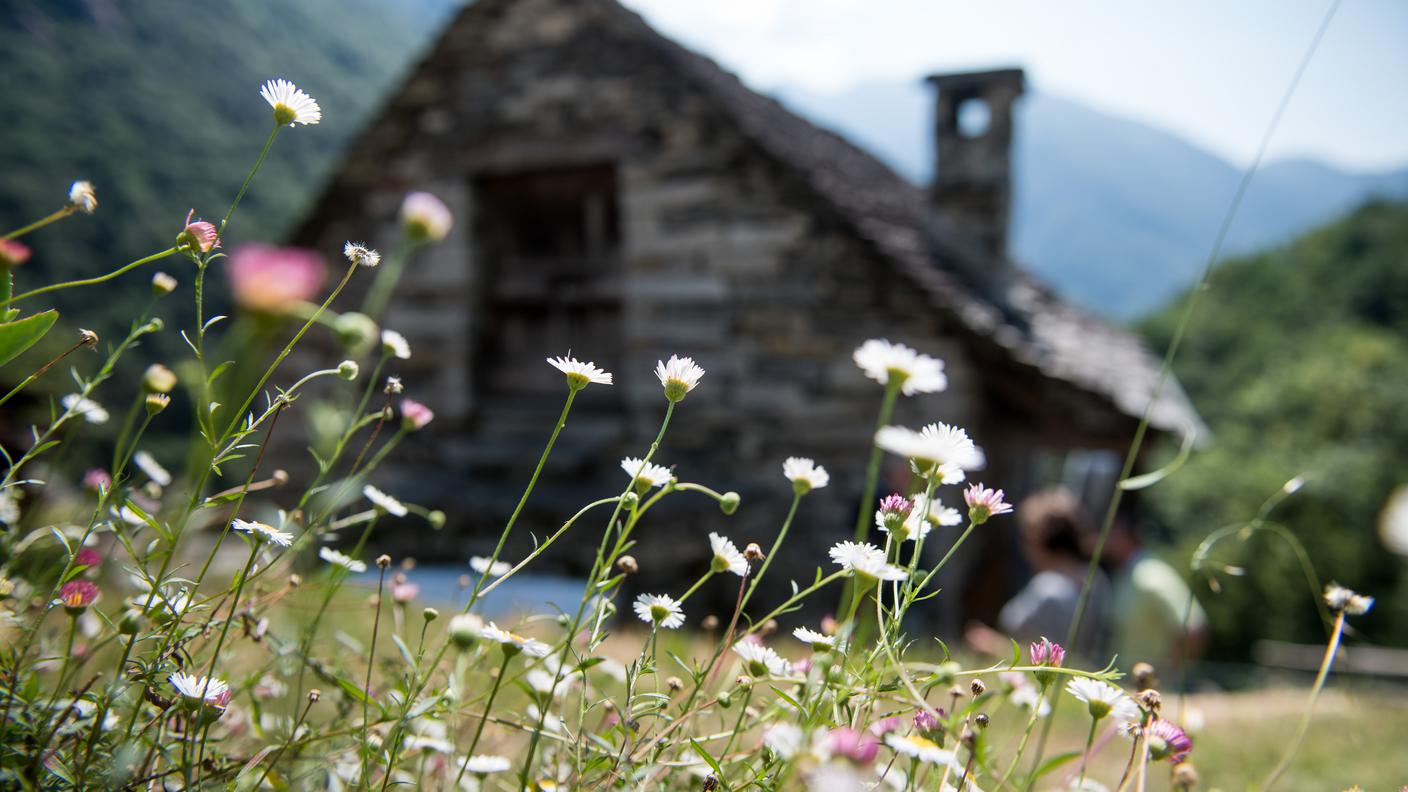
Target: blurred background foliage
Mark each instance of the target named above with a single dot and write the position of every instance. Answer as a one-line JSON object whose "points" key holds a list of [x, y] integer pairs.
{"points": [[1298, 360]]}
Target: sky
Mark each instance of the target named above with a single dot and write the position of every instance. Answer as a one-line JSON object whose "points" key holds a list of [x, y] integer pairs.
{"points": [[1211, 71]]}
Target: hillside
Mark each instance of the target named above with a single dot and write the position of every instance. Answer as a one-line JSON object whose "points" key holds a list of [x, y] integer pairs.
{"points": [[1116, 214], [1298, 360], [158, 104]]}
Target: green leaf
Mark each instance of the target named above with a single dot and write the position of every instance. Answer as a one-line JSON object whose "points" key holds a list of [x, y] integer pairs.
{"points": [[1054, 762], [718, 772], [16, 337], [1190, 436], [350, 688], [406, 653]]}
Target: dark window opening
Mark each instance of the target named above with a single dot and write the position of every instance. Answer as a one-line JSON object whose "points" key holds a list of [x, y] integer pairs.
{"points": [[549, 251]]}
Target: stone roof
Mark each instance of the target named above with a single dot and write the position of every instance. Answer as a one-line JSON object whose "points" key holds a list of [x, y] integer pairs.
{"points": [[1035, 326]]}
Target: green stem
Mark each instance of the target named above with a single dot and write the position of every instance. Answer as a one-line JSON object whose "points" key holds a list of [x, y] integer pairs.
{"points": [[371, 656], [39, 372], [696, 585], [488, 708], [1085, 757], [53, 287], [772, 552], [41, 222], [268, 142], [387, 276]]}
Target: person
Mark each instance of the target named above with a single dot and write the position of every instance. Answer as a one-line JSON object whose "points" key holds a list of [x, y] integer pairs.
{"points": [[1056, 535], [1154, 617]]}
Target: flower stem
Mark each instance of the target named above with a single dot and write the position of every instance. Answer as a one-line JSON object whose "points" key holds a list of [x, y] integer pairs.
{"points": [[1330, 650], [53, 287], [41, 222], [479, 731], [239, 196], [776, 545]]}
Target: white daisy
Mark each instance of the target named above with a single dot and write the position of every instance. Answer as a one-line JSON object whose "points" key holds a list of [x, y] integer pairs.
{"points": [[81, 195], [659, 609], [361, 255], [784, 739], [865, 560], [920, 748], [148, 465], [761, 660], [291, 106], [819, 641], [1103, 698], [481, 565], [263, 533], [727, 556], [197, 687], [805, 474], [338, 558], [938, 448], [91, 411], [485, 764], [396, 344], [384, 502], [679, 376], [645, 473], [579, 374], [883, 361], [512, 642]]}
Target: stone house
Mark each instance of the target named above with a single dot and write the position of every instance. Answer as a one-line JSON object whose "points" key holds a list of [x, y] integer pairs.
{"points": [[624, 198]]}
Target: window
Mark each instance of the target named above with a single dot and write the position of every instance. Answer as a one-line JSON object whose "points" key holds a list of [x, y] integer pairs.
{"points": [[549, 251]]}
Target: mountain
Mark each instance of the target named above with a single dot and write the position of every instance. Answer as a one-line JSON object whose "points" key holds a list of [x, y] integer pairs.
{"points": [[1116, 214]]}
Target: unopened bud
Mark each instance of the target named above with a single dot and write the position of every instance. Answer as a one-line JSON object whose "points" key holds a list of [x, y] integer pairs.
{"points": [[769, 627], [627, 565], [710, 622], [156, 402], [675, 684], [87, 338], [711, 783], [295, 580], [725, 700], [982, 720], [430, 614], [279, 477], [383, 561], [729, 502], [978, 687], [753, 552], [348, 370], [968, 737], [163, 284], [314, 695], [1185, 775], [957, 691], [744, 681], [436, 519]]}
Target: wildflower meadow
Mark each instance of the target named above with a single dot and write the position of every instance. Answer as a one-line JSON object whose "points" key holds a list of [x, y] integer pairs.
{"points": [[130, 662]]}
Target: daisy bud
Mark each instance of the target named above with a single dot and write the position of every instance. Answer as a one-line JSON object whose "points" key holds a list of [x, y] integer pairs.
{"points": [[725, 700], [197, 237], [158, 379], [627, 565], [156, 402], [744, 681], [425, 218], [1185, 775], [924, 721], [728, 504], [279, 477], [82, 197], [711, 622], [430, 614], [357, 332], [464, 630], [163, 284], [968, 737], [711, 783], [414, 415], [675, 684], [436, 519], [89, 338], [1046, 653], [383, 561], [753, 552], [12, 253], [1144, 676], [295, 580], [769, 627], [348, 370], [957, 691], [1150, 700], [393, 386], [978, 687], [982, 720], [314, 695], [984, 503]]}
